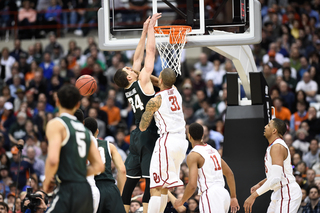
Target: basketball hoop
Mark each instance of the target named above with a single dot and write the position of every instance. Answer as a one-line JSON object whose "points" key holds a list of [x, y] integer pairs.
{"points": [[170, 48]]}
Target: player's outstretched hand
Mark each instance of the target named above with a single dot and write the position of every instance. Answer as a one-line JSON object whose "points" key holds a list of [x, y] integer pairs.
{"points": [[248, 204], [154, 19], [254, 188], [177, 203], [234, 205], [146, 24]]}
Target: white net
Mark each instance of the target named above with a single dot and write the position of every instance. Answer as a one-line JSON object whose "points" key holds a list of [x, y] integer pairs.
{"points": [[173, 39]]}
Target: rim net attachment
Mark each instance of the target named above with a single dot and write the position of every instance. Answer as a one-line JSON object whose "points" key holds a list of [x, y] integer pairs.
{"points": [[173, 39]]}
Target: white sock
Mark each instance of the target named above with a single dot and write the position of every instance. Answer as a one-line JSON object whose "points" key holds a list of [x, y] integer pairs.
{"points": [[164, 202], [154, 204]]}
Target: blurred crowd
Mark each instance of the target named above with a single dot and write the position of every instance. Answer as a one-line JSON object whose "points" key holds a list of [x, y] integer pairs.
{"points": [[288, 56]]}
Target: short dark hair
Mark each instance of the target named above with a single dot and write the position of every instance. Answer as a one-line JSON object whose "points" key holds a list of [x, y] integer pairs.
{"points": [[196, 131], [4, 205], [69, 96], [120, 78], [280, 125], [136, 201], [79, 115], [312, 187], [168, 77], [91, 124]]}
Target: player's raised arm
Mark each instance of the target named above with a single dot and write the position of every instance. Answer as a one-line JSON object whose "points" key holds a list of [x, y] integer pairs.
{"points": [[227, 172], [96, 165], [55, 132], [192, 161], [117, 160], [152, 106], [139, 53], [146, 72]]}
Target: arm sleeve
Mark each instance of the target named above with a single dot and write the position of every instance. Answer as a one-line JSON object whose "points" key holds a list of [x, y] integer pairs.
{"points": [[272, 180]]}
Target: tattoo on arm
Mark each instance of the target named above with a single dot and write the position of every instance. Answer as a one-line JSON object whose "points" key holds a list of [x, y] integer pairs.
{"points": [[152, 106]]}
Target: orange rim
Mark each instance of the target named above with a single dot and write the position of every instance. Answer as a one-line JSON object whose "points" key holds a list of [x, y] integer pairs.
{"points": [[177, 33]]}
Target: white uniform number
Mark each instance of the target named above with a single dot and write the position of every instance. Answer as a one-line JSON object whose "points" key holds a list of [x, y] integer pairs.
{"points": [[80, 137], [136, 104], [102, 154]]}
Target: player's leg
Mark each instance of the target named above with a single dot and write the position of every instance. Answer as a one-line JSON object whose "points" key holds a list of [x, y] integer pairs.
{"points": [[164, 200], [155, 200], [96, 198], [81, 200], [110, 198], [127, 191], [146, 196], [60, 202]]}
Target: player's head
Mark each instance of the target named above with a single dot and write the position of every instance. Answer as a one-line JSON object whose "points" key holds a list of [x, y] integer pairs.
{"points": [[167, 78], [92, 125], [79, 115], [195, 132], [124, 76], [275, 127], [69, 97]]}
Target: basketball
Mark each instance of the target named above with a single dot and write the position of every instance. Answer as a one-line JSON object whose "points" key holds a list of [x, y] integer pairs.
{"points": [[86, 84]]}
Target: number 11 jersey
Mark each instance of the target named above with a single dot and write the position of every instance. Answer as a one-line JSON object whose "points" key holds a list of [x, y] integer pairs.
{"points": [[169, 117]]}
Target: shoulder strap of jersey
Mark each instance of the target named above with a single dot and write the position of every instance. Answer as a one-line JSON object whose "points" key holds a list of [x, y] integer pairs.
{"points": [[64, 142]]}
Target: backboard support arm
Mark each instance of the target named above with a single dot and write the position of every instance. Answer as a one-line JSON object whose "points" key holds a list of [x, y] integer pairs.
{"points": [[243, 60]]}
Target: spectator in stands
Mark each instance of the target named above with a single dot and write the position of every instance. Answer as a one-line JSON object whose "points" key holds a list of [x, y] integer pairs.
{"points": [[17, 130], [281, 112], [274, 63], [120, 136], [310, 87], [113, 113], [88, 67], [38, 165], [38, 52], [80, 58], [216, 75], [207, 139], [56, 55], [6, 59], [27, 17], [313, 121], [19, 99], [197, 82], [287, 96], [7, 118], [30, 75], [17, 50], [102, 115], [295, 58], [53, 14], [24, 67], [211, 119], [44, 150], [47, 66], [204, 65], [286, 64], [48, 108], [301, 143], [101, 124], [31, 53], [273, 47], [188, 114], [311, 157], [299, 116], [98, 57], [200, 97], [304, 67], [116, 63], [31, 103], [25, 168], [313, 205], [270, 78], [135, 206], [90, 18], [289, 79], [52, 43], [288, 139]]}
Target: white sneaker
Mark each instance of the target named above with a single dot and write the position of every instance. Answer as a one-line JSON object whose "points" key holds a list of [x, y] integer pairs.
{"points": [[78, 32]]}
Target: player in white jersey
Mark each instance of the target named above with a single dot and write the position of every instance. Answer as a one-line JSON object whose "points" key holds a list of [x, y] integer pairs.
{"points": [[286, 196], [94, 189], [206, 170], [171, 146]]}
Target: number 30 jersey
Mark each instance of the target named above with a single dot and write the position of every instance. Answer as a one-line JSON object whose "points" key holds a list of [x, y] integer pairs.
{"points": [[211, 172], [169, 117], [138, 100]]}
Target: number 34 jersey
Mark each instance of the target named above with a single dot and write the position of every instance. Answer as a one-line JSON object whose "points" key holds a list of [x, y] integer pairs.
{"points": [[169, 117], [138, 100]]}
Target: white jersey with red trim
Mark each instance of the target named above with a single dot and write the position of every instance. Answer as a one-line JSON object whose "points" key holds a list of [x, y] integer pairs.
{"points": [[287, 172], [210, 173], [169, 117]]}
